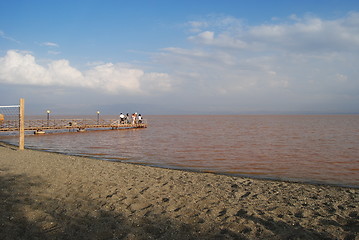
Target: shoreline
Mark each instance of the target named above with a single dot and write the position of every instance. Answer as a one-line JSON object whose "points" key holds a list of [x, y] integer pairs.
{"points": [[275, 179], [57, 196]]}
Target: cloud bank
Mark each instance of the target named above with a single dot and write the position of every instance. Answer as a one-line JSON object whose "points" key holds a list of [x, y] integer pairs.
{"points": [[307, 57], [294, 34], [22, 69]]}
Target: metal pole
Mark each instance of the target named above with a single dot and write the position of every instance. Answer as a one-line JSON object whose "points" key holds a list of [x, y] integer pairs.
{"points": [[48, 117], [98, 117]]}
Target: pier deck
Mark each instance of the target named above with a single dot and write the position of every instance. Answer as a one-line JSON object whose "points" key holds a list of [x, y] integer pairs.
{"points": [[76, 124]]}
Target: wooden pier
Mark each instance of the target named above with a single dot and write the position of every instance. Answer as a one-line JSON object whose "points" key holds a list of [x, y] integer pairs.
{"points": [[41, 126], [12, 119]]}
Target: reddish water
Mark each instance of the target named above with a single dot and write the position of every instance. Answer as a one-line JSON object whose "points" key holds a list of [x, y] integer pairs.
{"points": [[317, 149]]}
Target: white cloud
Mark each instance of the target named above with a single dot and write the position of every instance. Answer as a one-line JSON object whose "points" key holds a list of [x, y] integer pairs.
{"points": [[301, 34], [212, 72], [114, 78], [50, 44], [61, 73], [206, 37], [21, 68], [155, 82], [290, 62], [223, 40]]}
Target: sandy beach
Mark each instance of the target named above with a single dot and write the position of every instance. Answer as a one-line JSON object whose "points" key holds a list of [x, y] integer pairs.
{"points": [[53, 196]]}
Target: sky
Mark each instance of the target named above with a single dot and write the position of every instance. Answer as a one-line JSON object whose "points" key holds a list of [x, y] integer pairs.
{"points": [[180, 57]]}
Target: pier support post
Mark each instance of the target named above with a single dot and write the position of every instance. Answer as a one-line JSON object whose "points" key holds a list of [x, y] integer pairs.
{"points": [[22, 124]]}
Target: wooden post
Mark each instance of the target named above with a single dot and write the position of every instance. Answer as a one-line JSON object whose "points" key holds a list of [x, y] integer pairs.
{"points": [[22, 125]]}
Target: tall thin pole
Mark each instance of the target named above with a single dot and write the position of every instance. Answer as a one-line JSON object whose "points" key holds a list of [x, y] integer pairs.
{"points": [[48, 117], [22, 125]]}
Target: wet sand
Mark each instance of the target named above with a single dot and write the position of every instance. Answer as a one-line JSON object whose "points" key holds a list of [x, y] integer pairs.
{"points": [[52, 196]]}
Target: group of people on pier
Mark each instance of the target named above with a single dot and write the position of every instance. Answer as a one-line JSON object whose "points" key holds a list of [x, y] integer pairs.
{"points": [[133, 119]]}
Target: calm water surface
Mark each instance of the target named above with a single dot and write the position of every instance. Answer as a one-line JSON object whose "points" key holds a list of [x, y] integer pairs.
{"points": [[316, 149]]}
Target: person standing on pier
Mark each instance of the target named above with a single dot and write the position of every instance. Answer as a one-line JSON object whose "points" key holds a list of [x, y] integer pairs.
{"points": [[128, 118], [134, 118], [122, 118]]}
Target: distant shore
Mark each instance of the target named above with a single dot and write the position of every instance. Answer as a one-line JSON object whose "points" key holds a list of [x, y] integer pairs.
{"points": [[53, 196]]}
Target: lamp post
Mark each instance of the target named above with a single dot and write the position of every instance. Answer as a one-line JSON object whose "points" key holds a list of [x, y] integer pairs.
{"points": [[48, 117], [98, 117]]}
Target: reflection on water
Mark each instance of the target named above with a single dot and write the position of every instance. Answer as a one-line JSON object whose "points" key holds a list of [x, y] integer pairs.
{"points": [[321, 149]]}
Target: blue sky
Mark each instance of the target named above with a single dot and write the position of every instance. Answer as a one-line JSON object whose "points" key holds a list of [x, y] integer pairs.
{"points": [[180, 57]]}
